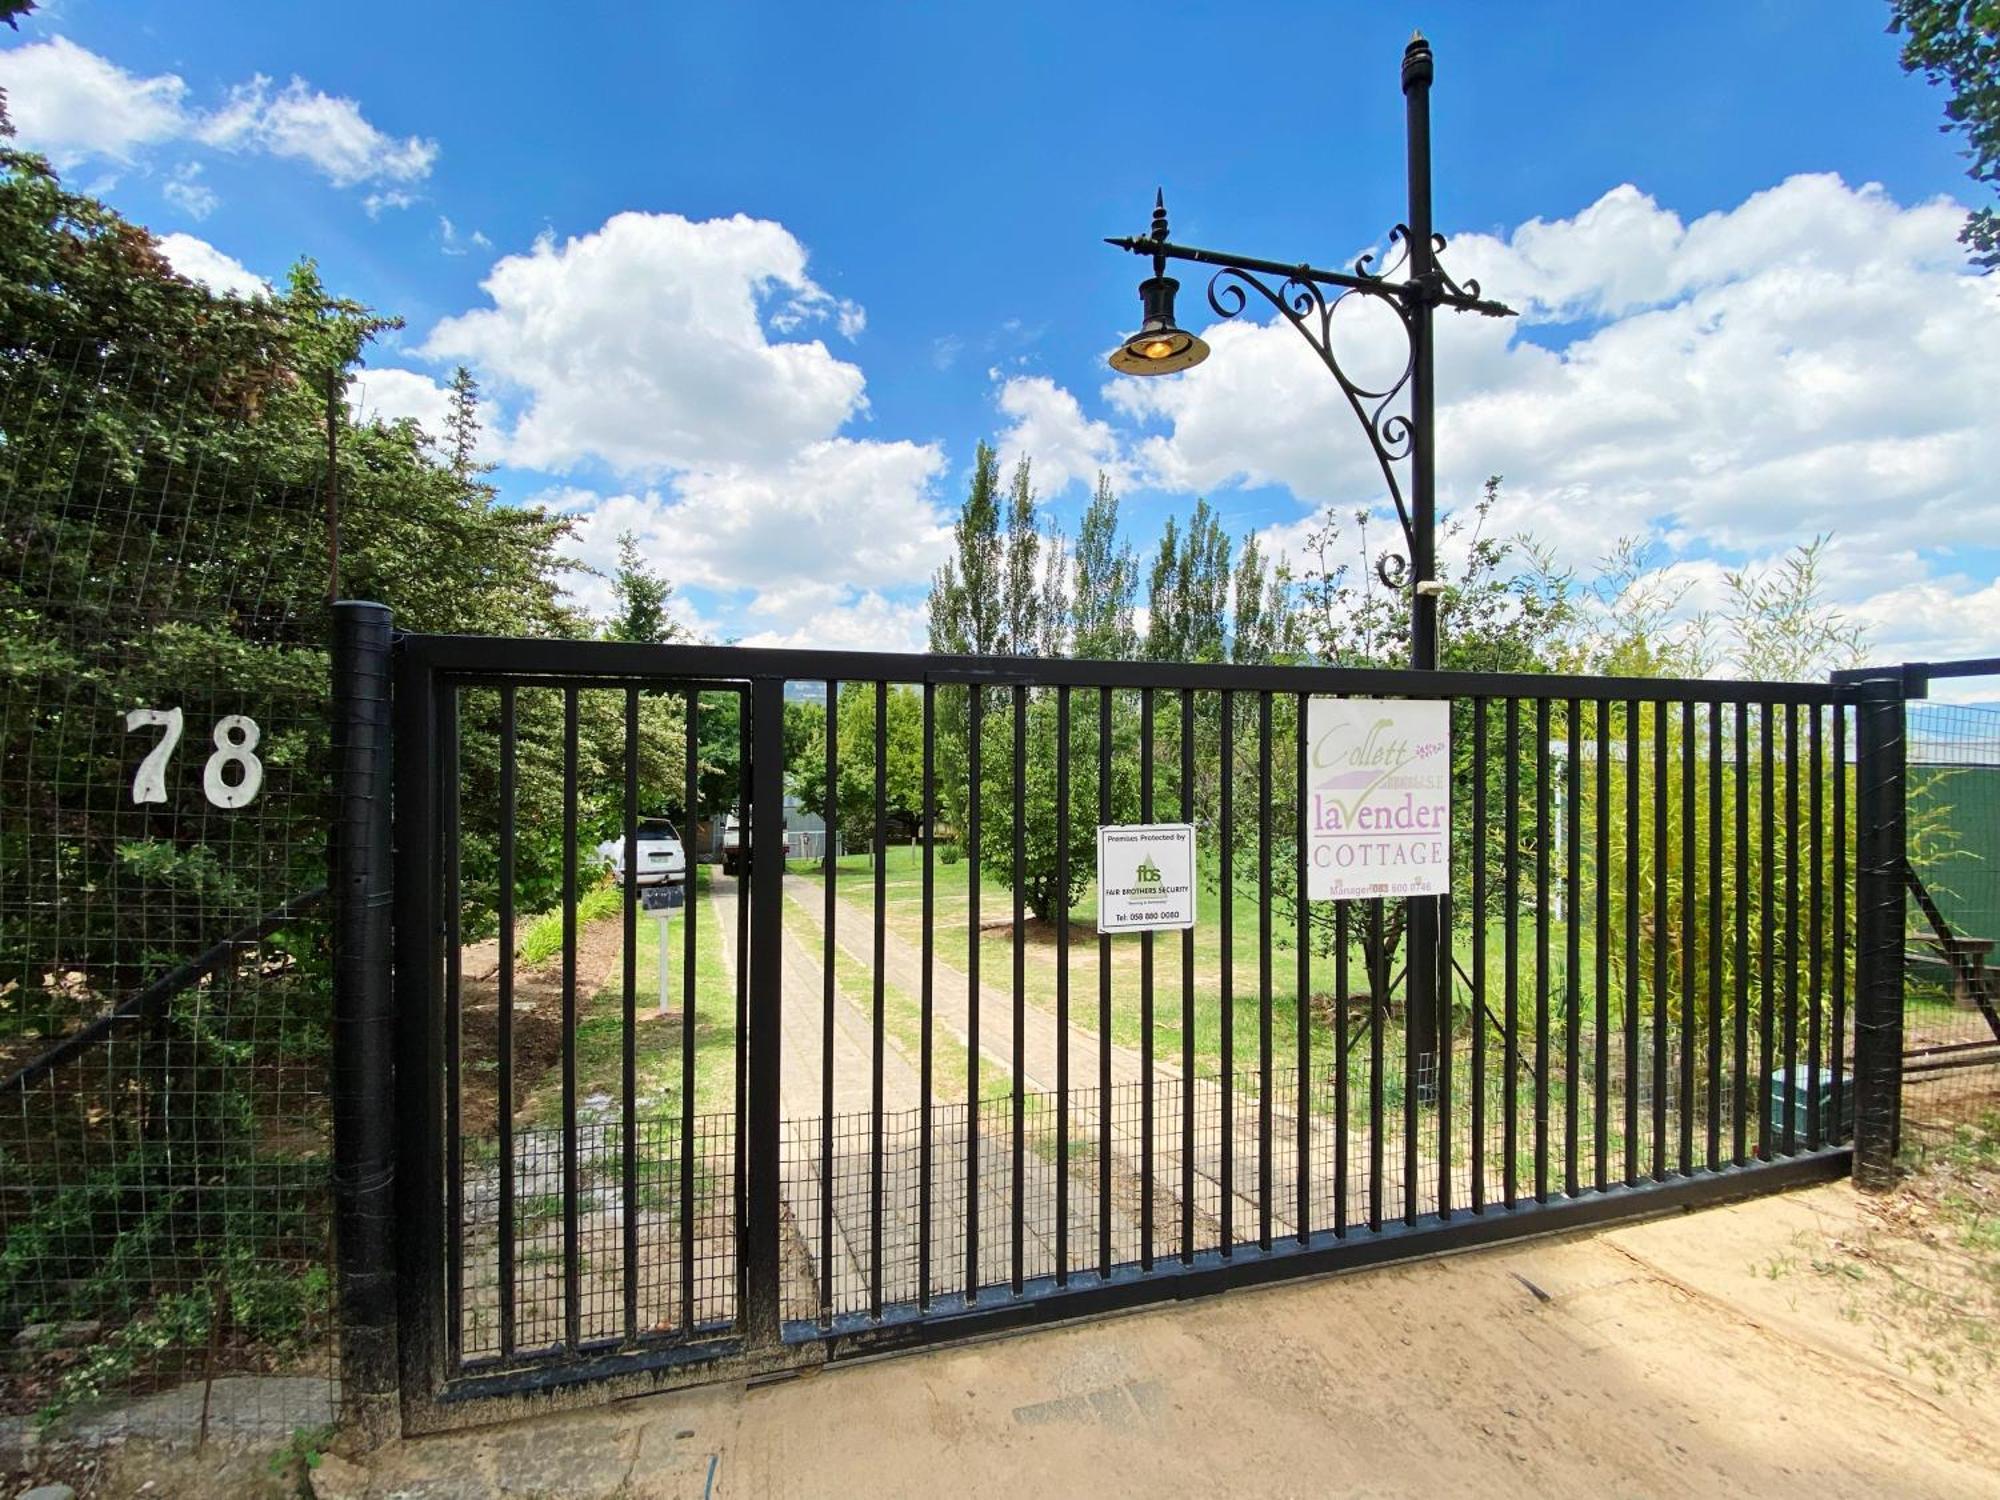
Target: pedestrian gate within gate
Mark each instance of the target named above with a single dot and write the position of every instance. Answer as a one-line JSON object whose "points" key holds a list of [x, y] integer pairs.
{"points": [[894, 1096]]}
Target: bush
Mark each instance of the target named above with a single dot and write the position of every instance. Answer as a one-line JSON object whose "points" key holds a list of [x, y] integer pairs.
{"points": [[544, 935]]}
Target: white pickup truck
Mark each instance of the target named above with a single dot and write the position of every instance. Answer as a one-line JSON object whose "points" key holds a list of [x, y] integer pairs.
{"points": [[662, 860], [735, 845]]}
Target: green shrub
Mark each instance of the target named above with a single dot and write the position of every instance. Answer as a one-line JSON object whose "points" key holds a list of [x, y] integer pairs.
{"points": [[544, 935]]}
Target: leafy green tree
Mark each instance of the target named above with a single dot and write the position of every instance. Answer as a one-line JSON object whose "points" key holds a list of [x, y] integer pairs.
{"points": [[642, 597], [1956, 43], [165, 544], [1188, 592], [967, 598], [1021, 629], [1106, 584], [852, 812]]}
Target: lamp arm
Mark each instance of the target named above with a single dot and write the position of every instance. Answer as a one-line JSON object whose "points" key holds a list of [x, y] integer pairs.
{"points": [[1305, 305]]}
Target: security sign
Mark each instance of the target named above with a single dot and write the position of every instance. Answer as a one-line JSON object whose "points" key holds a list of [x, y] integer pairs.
{"points": [[1145, 877]]}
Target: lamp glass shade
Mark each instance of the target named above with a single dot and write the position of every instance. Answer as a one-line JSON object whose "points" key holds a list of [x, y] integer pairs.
{"points": [[1159, 347]]}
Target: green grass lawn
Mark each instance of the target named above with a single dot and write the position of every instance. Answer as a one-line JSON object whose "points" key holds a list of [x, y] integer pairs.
{"points": [[951, 905]]}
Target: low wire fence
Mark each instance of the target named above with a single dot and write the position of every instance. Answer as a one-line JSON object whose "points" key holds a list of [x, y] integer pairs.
{"points": [[1951, 1027]]}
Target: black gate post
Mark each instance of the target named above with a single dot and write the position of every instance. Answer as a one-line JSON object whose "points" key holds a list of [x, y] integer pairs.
{"points": [[364, 1129], [1879, 880], [761, 1329]]}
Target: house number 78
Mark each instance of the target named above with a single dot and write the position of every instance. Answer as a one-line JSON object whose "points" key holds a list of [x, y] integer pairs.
{"points": [[235, 738]]}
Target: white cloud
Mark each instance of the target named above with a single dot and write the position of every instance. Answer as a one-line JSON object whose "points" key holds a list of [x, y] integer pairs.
{"points": [[841, 512], [389, 395], [1050, 429], [1933, 619], [74, 105], [452, 242], [374, 204], [645, 346], [835, 618], [198, 260], [187, 192], [330, 133], [77, 106]]}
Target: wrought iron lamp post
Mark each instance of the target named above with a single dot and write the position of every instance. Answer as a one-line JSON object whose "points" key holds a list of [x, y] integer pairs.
{"points": [[1400, 431]]}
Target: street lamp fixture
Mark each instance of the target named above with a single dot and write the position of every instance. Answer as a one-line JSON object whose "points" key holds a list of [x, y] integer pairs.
{"points": [[1159, 347], [1396, 414]]}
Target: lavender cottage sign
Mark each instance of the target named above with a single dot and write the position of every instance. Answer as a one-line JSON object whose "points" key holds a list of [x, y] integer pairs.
{"points": [[1378, 810]]}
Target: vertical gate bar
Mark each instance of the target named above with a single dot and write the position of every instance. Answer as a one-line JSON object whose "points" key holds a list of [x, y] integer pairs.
{"points": [[1227, 878], [1264, 1033], [927, 1000], [1690, 897], [629, 1025], [1302, 1007], [1188, 1083], [690, 1015], [1837, 1046], [1415, 1004], [1340, 1090], [1880, 872], [454, 1083], [1062, 986], [744, 896], [1600, 932], [1146, 1002], [1662, 915], [1741, 895], [829, 997], [1020, 976], [876, 1036], [1378, 1006], [1544, 830], [1766, 966], [1480, 898], [1103, 1004], [419, 1013], [1510, 1098], [1631, 939], [504, 1044], [1572, 944], [1441, 1073], [764, 846], [1791, 1061], [1816, 931], [572, 1278], [1715, 841], [976, 715]]}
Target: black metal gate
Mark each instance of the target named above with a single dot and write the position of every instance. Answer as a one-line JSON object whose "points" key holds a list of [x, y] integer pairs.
{"points": [[894, 1106]]}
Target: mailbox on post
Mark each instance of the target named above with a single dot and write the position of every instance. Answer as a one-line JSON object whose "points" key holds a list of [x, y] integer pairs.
{"points": [[661, 902]]}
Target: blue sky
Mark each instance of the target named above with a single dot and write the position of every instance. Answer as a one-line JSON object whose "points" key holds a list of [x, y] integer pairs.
{"points": [[1731, 342]]}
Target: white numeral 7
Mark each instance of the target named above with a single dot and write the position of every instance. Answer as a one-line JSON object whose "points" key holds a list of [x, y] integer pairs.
{"points": [[150, 784]]}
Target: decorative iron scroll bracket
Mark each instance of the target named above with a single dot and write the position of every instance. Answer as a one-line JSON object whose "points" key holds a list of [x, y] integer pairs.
{"points": [[1307, 297]]}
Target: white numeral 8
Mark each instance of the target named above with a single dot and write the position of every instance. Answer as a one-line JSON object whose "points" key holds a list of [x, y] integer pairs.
{"points": [[235, 739]]}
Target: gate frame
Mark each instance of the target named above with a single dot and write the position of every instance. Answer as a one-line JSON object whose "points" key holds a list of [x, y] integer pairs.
{"points": [[389, 1120]]}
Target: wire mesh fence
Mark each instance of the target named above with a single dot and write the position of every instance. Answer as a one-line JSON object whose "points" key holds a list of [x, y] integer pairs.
{"points": [[1951, 1030], [163, 967]]}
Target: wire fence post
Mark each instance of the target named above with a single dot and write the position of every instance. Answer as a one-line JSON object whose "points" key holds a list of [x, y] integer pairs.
{"points": [[364, 1130], [1879, 876]]}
